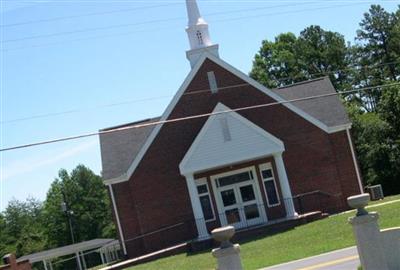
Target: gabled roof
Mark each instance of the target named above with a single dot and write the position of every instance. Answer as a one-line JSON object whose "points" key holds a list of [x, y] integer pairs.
{"points": [[329, 110], [119, 148], [308, 111]]}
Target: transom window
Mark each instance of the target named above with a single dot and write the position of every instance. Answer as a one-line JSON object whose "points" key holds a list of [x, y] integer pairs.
{"points": [[205, 199], [269, 184], [234, 179]]}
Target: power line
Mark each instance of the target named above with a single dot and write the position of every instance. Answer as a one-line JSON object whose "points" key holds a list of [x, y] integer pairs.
{"points": [[134, 9], [135, 24], [71, 111], [291, 12], [91, 29], [121, 103], [91, 134], [1, 100], [179, 1], [350, 67], [172, 19], [83, 39], [83, 15]]}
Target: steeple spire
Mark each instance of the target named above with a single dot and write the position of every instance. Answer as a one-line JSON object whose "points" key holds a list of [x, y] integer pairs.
{"points": [[199, 37], [193, 12]]}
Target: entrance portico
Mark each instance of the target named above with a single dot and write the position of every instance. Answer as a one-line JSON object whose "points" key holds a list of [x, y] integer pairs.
{"points": [[229, 139]]}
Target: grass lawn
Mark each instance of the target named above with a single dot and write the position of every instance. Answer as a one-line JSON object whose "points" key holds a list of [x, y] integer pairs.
{"points": [[386, 199], [303, 241]]}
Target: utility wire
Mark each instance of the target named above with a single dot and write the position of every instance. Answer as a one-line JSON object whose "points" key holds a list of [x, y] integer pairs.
{"points": [[350, 67], [83, 15], [91, 134], [143, 30], [179, 1], [85, 30], [71, 111], [132, 9], [291, 12]]}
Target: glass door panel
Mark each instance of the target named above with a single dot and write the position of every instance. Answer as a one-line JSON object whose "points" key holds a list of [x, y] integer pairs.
{"points": [[251, 211], [240, 201], [228, 197], [247, 193], [249, 203], [232, 216]]}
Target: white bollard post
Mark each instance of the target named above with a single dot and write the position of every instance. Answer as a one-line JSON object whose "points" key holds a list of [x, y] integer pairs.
{"points": [[367, 234], [227, 255]]}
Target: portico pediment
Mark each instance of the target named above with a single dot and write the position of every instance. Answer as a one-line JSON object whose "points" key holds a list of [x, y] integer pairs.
{"points": [[228, 138]]}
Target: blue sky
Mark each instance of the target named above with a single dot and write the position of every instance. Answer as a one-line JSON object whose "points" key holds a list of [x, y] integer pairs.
{"points": [[82, 56]]}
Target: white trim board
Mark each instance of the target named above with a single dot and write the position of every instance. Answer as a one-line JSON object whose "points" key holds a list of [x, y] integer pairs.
{"points": [[355, 163], [183, 87]]}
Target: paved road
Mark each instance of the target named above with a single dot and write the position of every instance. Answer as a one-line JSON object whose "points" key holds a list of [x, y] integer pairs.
{"points": [[343, 259]]}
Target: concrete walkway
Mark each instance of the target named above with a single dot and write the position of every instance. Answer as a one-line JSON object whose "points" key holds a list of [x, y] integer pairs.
{"points": [[343, 259]]}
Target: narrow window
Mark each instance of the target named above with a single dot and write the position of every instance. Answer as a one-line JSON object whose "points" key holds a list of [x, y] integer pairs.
{"points": [[212, 82], [205, 200], [199, 37], [269, 184], [225, 129]]}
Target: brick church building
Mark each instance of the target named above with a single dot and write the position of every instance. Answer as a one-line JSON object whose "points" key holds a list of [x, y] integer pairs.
{"points": [[241, 154]]}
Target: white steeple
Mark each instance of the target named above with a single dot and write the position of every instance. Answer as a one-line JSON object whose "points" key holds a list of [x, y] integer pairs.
{"points": [[199, 37]]}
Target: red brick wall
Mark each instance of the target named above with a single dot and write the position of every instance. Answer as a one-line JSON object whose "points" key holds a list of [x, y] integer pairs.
{"points": [[25, 265], [12, 264], [156, 195]]}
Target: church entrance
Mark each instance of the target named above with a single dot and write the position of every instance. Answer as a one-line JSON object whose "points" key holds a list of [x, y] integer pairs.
{"points": [[238, 198]]}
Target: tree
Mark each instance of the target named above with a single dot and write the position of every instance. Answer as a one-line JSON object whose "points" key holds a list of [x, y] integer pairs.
{"points": [[389, 110], [88, 201], [277, 63], [376, 56], [289, 59], [380, 37], [377, 155], [21, 227]]}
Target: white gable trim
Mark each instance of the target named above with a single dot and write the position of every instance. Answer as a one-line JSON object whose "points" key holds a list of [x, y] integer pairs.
{"points": [[199, 138], [185, 84], [268, 92], [153, 134]]}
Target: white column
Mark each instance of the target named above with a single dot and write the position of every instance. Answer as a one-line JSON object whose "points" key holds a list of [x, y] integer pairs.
{"points": [[101, 256], [285, 187], [121, 235], [83, 260], [196, 207], [353, 155], [45, 264], [78, 261]]}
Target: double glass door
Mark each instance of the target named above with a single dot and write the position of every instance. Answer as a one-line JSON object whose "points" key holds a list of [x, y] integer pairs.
{"points": [[239, 200]]}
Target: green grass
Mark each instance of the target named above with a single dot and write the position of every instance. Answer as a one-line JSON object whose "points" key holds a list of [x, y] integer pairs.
{"points": [[386, 199], [303, 241]]}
